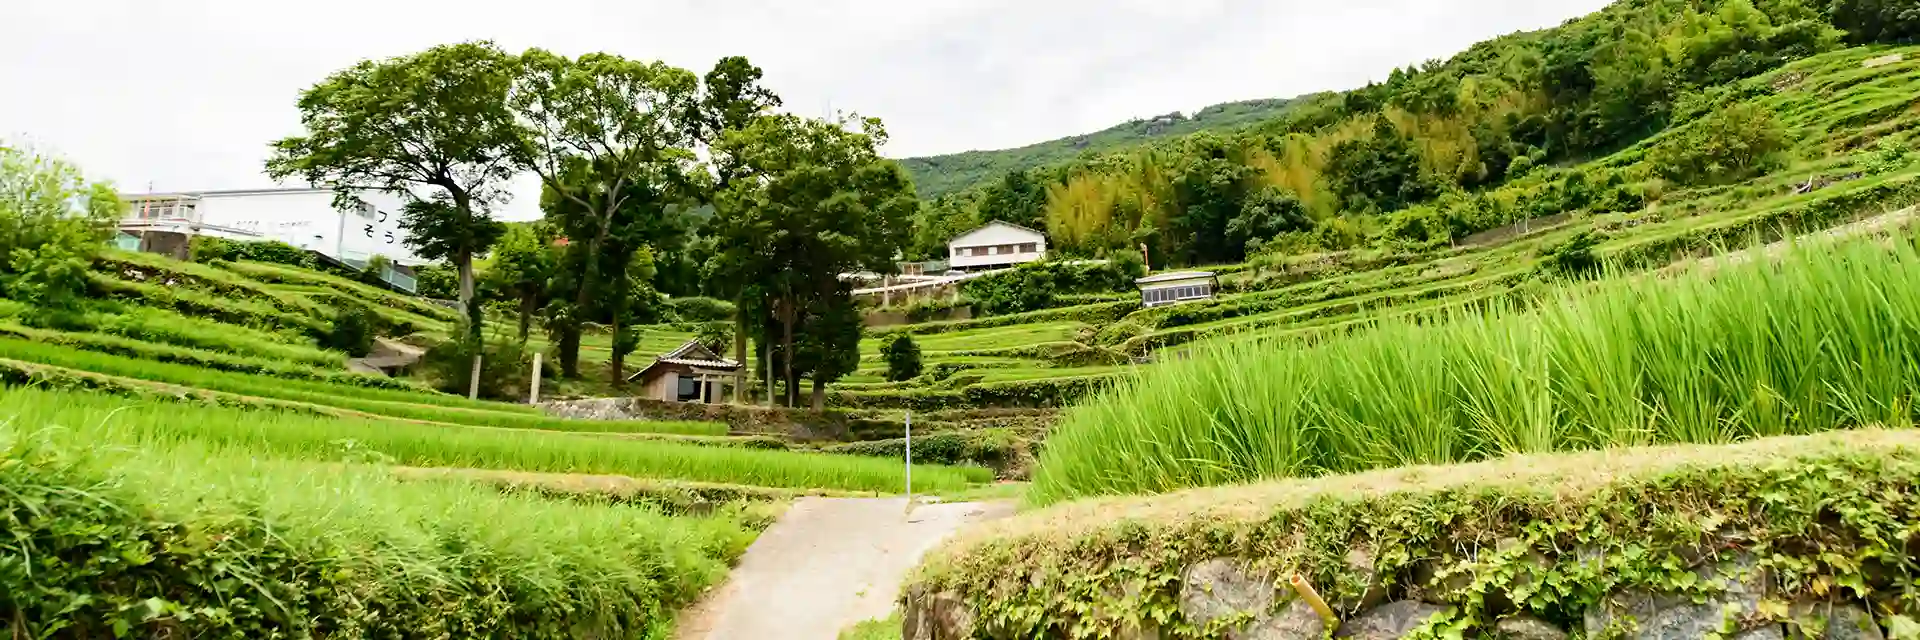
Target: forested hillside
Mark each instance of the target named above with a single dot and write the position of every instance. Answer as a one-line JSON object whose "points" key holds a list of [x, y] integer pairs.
{"points": [[1414, 162], [944, 174]]}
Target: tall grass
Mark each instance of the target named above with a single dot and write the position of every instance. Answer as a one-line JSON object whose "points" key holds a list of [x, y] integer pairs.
{"points": [[413, 405], [331, 439], [1818, 340], [118, 508]]}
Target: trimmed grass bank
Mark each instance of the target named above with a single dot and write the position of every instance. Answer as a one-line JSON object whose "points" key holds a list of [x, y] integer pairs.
{"points": [[1813, 341], [1778, 534]]}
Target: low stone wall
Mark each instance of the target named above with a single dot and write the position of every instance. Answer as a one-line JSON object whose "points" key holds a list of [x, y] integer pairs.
{"points": [[1786, 537]]}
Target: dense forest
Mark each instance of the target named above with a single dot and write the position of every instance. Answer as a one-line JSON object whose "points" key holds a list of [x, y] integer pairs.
{"points": [[944, 174], [1416, 160]]}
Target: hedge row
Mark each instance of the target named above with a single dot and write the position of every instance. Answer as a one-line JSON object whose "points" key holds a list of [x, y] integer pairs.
{"points": [[1095, 314], [1009, 455], [1037, 394], [1558, 539]]}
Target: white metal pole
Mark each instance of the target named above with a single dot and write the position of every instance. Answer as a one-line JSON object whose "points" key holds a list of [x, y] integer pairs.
{"points": [[909, 458], [533, 393]]}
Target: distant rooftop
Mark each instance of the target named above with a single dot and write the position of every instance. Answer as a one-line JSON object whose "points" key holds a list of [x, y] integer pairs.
{"points": [[1177, 275]]}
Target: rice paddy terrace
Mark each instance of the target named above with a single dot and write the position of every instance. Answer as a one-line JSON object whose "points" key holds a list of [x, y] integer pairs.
{"points": [[190, 428]]}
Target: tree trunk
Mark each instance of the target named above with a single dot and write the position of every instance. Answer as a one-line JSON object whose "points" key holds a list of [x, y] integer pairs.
{"points": [[819, 394], [569, 340], [786, 349], [526, 315], [589, 269], [739, 347], [617, 363], [463, 261]]}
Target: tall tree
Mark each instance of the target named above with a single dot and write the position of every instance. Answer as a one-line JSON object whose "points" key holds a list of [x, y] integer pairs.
{"points": [[822, 202], [523, 265], [731, 98], [431, 128], [606, 137]]}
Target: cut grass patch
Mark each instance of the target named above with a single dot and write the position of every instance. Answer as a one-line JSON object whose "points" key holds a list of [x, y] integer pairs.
{"points": [[416, 405]]}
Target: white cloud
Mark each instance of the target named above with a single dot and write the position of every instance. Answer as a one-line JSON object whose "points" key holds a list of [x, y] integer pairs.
{"points": [[186, 94]]}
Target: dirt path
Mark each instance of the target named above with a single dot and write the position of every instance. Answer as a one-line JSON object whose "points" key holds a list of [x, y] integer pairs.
{"points": [[827, 564]]}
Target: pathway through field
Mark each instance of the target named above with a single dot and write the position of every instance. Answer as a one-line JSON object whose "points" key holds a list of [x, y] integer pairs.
{"points": [[827, 564]]}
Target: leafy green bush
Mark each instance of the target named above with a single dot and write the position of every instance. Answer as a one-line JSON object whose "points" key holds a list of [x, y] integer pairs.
{"points": [[354, 328], [698, 309], [1889, 154], [1024, 288], [504, 365], [1573, 257], [207, 249], [52, 223], [902, 356], [1730, 145]]}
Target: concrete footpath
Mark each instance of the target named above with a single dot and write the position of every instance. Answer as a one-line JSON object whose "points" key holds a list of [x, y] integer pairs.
{"points": [[827, 564]]}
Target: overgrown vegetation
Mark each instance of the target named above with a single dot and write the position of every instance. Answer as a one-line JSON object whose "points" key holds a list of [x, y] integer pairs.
{"points": [[1810, 343], [1753, 533], [123, 519]]}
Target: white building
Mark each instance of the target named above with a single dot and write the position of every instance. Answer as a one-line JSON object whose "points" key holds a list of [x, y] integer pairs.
{"points": [[1176, 287], [996, 245], [304, 218]]}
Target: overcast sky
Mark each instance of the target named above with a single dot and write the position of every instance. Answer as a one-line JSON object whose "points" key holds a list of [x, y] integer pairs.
{"points": [[186, 94]]}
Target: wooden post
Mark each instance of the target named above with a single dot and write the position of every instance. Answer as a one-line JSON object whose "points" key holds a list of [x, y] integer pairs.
{"points": [[473, 380], [1143, 257], [533, 391]]}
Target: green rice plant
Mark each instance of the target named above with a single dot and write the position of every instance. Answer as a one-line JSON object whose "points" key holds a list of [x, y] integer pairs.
{"points": [[408, 404], [161, 535], [1812, 341], [318, 438], [368, 293], [168, 327]]}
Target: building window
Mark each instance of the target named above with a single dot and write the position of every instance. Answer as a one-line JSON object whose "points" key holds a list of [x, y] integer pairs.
{"points": [[1029, 247], [689, 389]]}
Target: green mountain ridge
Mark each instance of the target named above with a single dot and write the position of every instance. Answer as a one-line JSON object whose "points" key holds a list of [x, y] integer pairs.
{"points": [[942, 174]]}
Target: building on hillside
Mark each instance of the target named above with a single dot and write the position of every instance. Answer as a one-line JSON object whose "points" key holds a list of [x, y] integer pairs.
{"points": [[1176, 287], [995, 245], [690, 373], [302, 217]]}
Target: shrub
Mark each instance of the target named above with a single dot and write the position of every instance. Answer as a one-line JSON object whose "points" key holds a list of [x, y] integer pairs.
{"points": [[354, 328], [698, 309], [1889, 155], [52, 223], [1730, 145], [902, 356], [504, 365], [1025, 288], [206, 249], [1573, 257], [716, 337]]}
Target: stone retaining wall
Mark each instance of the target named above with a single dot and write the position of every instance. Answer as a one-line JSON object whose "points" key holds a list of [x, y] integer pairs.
{"points": [[1801, 537]]}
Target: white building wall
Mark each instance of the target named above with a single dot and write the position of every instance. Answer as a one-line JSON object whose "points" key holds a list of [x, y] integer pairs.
{"points": [[307, 219], [993, 238]]}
